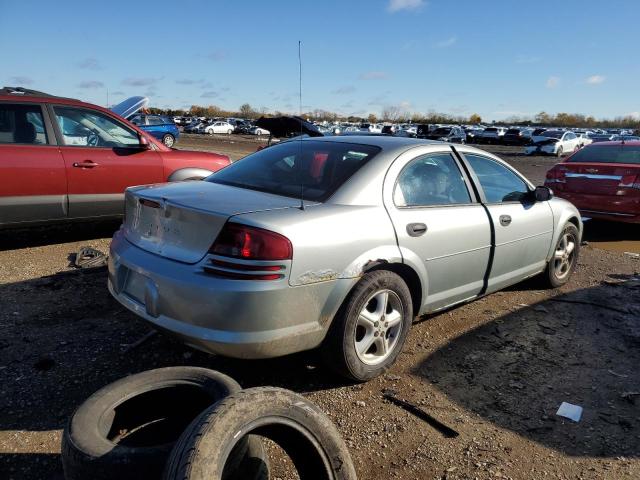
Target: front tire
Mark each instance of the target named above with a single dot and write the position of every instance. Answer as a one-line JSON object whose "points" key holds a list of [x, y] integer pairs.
{"points": [[370, 328], [560, 152], [169, 140], [565, 257]]}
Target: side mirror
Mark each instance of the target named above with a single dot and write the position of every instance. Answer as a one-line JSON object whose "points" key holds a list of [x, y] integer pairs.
{"points": [[543, 194], [144, 143]]}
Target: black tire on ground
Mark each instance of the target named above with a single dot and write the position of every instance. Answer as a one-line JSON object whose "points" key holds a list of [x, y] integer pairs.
{"points": [[339, 348], [553, 276], [168, 140], [298, 426], [127, 429]]}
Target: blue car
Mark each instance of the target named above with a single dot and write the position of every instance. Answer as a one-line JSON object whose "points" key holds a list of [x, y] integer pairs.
{"points": [[161, 127]]}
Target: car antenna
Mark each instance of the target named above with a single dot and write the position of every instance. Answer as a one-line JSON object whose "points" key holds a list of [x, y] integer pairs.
{"points": [[300, 114]]}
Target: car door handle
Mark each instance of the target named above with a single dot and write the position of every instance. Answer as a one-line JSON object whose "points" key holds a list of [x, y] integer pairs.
{"points": [[86, 164], [505, 220], [416, 229]]}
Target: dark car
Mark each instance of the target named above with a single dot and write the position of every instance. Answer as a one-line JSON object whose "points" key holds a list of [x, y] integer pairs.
{"points": [[161, 127], [62, 159], [602, 180], [448, 134], [515, 136], [422, 130]]}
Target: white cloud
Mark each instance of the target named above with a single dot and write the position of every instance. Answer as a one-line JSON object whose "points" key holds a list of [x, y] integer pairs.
{"points": [[595, 79], [527, 59], [346, 90], [552, 82], [373, 75], [397, 5], [447, 42]]}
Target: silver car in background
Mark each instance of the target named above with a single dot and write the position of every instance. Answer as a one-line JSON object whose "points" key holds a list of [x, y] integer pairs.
{"points": [[337, 243]]}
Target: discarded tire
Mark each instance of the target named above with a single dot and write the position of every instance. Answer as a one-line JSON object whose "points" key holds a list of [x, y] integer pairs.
{"points": [[127, 429], [299, 427]]}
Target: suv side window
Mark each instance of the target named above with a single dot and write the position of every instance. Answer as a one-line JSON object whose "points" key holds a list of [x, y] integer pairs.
{"points": [[88, 128], [429, 180], [498, 182], [22, 124]]}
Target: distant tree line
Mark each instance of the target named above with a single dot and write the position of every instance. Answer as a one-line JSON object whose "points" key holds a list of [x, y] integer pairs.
{"points": [[396, 114]]}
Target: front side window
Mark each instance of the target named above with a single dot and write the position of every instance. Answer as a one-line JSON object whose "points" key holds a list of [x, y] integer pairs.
{"points": [[431, 180], [315, 169], [87, 128], [498, 182], [22, 124]]}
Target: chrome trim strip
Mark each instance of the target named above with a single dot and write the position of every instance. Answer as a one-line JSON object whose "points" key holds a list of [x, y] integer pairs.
{"points": [[593, 176]]}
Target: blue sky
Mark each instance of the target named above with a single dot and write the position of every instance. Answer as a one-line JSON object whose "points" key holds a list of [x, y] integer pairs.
{"points": [[495, 58]]}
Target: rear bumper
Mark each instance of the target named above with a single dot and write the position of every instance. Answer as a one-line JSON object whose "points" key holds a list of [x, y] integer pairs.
{"points": [[235, 318], [606, 207]]}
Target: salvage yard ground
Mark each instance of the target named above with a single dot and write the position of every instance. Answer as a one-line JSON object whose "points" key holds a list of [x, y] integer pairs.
{"points": [[495, 370]]}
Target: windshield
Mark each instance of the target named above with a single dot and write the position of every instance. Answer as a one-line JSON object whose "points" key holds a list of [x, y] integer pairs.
{"points": [[442, 131], [321, 167], [552, 134], [607, 154]]}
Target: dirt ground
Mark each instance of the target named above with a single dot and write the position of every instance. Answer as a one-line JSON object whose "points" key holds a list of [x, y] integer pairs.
{"points": [[495, 370]]}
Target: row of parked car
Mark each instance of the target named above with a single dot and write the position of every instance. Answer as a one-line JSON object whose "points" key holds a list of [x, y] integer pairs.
{"points": [[213, 126]]}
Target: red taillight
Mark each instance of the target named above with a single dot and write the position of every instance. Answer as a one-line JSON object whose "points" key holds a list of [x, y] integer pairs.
{"points": [[251, 243], [556, 175]]}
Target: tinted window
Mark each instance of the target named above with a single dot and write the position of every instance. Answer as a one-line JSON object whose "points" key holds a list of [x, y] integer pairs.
{"points": [[431, 180], [442, 131], [608, 154], [155, 120], [570, 136], [22, 124], [89, 128], [498, 182], [321, 167]]}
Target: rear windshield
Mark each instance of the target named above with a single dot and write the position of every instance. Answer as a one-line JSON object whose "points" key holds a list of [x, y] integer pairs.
{"points": [[607, 154], [552, 134], [319, 167]]}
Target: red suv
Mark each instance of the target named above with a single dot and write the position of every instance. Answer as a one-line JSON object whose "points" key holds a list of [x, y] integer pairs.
{"points": [[63, 159]]}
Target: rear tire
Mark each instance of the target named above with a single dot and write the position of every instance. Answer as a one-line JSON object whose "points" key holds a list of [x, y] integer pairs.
{"points": [[366, 336], [565, 258], [169, 140], [126, 429]]}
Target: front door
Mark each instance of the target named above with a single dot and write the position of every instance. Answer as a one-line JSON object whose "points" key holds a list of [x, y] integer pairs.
{"points": [[442, 231], [102, 158], [523, 228]]}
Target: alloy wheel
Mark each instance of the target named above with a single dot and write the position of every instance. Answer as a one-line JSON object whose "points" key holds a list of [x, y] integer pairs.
{"points": [[378, 327], [563, 256]]}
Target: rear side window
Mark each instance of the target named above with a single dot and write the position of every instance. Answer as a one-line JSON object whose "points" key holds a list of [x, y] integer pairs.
{"points": [[607, 154], [318, 168], [431, 180], [155, 120], [498, 182], [22, 124]]}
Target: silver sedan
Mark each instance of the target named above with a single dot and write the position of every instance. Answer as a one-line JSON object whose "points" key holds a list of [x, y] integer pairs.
{"points": [[337, 243]]}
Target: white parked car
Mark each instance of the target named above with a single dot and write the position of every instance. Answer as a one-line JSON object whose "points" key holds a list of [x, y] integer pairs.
{"points": [[492, 134], [259, 131], [584, 138], [553, 142], [219, 127]]}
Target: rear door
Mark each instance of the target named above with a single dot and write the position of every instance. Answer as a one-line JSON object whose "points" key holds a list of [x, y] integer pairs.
{"points": [[522, 227], [33, 184], [102, 157], [442, 230]]}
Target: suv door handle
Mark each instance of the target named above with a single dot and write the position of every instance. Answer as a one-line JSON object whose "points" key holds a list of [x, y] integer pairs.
{"points": [[86, 164], [505, 220], [416, 229]]}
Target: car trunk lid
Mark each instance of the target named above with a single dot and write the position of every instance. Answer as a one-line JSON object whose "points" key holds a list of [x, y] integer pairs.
{"points": [[598, 178], [181, 220]]}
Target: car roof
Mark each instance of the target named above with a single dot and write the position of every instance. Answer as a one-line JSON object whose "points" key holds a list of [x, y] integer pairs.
{"points": [[382, 141], [620, 143]]}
